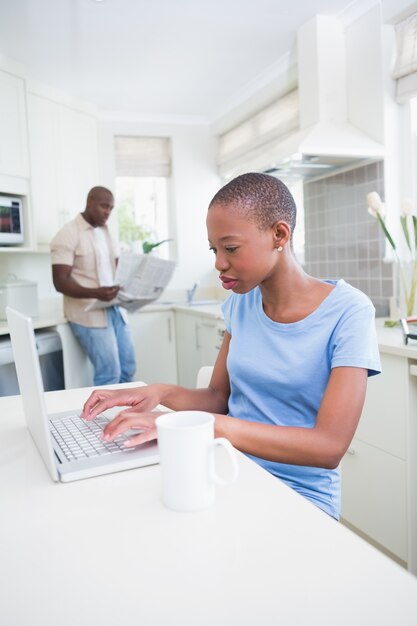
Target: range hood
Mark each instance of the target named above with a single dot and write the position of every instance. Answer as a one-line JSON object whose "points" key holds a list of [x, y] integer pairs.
{"points": [[325, 141]]}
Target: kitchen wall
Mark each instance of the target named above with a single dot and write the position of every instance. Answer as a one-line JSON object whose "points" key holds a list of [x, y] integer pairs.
{"points": [[342, 240], [193, 183]]}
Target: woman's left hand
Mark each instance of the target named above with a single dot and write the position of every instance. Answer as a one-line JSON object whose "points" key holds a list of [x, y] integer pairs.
{"points": [[133, 420]]}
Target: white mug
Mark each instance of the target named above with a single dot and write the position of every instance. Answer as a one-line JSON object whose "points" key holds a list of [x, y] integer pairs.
{"points": [[186, 447]]}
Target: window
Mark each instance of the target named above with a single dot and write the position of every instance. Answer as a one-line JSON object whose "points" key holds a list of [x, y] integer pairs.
{"points": [[143, 167]]}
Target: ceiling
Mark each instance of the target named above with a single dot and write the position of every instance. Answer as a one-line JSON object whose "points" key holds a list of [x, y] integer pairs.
{"points": [[155, 58]]}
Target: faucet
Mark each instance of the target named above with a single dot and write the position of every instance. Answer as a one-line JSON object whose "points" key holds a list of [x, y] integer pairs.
{"points": [[191, 292]]}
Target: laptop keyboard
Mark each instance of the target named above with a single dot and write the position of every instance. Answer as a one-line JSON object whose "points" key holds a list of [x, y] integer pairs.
{"points": [[79, 439]]}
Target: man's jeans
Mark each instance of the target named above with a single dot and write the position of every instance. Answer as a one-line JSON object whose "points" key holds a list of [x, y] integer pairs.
{"points": [[109, 349]]}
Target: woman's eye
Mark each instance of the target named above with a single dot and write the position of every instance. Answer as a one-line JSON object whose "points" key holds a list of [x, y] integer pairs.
{"points": [[231, 249]]}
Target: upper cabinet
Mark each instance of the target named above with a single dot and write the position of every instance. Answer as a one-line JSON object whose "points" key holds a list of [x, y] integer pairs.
{"points": [[63, 149], [13, 134]]}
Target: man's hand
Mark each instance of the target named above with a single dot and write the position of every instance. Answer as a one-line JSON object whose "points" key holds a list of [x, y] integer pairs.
{"points": [[107, 293]]}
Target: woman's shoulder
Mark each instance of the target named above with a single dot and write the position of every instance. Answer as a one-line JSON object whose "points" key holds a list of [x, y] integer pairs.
{"points": [[351, 296]]}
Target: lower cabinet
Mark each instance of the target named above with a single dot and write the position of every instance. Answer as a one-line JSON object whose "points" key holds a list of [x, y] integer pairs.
{"points": [[153, 335], [379, 483], [198, 342], [374, 498]]}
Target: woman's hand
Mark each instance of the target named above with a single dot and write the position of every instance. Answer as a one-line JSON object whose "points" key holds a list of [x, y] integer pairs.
{"points": [[132, 420], [143, 398]]}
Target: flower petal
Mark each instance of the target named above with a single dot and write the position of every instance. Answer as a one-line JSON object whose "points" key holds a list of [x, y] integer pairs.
{"points": [[407, 207], [374, 201]]}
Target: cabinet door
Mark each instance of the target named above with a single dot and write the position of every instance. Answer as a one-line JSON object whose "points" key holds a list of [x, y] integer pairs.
{"points": [[44, 154], [155, 346], [207, 349], [78, 159], [374, 496], [198, 345], [14, 159], [383, 420], [64, 163], [187, 355]]}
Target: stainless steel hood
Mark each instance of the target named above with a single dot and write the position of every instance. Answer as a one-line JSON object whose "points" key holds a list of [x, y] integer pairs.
{"points": [[325, 142]]}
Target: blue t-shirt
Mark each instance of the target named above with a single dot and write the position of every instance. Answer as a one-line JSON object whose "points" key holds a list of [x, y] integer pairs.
{"points": [[279, 372]]}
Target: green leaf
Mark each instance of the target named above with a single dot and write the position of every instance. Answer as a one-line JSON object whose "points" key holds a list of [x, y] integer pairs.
{"points": [[415, 230], [404, 225], [148, 247], [385, 229]]}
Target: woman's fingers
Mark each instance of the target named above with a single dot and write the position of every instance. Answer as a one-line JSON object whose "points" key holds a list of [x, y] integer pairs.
{"points": [[143, 437], [130, 420], [101, 399]]}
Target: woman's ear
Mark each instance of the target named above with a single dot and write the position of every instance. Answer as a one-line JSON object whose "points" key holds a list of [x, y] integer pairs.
{"points": [[281, 233]]}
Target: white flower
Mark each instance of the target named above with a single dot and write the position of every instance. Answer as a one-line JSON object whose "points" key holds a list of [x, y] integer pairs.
{"points": [[375, 204], [407, 207]]}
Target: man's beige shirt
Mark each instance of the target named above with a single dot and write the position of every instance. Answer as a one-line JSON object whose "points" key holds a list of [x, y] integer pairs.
{"points": [[75, 245]]}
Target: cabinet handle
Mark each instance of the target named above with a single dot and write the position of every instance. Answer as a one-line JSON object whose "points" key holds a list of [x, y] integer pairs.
{"points": [[351, 451], [197, 336], [169, 330]]}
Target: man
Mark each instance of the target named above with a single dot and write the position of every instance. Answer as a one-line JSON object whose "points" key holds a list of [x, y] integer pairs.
{"points": [[83, 268]]}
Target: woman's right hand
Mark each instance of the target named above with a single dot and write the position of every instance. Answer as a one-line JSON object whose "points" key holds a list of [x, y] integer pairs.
{"points": [[143, 398]]}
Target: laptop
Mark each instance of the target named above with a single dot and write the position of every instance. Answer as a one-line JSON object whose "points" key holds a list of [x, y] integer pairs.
{"points": [[70, 446]]}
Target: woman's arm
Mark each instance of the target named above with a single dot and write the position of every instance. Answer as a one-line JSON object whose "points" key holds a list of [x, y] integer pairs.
{"points": [[321, 446], [213, 399]]}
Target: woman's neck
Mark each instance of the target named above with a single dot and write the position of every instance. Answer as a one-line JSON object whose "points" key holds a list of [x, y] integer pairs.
{"points": [[292, 294]]}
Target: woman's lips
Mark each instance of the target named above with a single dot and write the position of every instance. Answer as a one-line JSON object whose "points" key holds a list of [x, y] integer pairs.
{"points": [[228, 283]]}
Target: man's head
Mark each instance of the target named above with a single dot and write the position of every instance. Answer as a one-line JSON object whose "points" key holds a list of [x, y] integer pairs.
{"points": [[99, 205], [260, 198]]}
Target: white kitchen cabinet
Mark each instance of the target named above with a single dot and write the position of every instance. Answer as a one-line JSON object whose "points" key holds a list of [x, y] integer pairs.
{"points": [[379, 481], [78, 370], [64, 163], [155, 346], [14, 159], [198, 342]]}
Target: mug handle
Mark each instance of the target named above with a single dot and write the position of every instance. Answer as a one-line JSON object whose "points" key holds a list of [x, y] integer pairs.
{"points": [[231, 453]]}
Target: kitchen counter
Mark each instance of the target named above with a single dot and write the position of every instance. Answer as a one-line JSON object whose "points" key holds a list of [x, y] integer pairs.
{"points": [[108, 551], [50, 314], [390, 340]]}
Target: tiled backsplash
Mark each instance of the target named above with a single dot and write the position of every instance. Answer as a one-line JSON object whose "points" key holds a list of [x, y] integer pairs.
{"points": [[341, 239]]}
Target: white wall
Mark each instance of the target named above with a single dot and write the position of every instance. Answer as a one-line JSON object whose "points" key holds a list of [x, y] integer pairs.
{"points": [[29, 266], [194, 182]]}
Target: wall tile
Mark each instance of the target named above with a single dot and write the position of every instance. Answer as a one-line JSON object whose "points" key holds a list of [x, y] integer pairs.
{"points": [[341, 239]]}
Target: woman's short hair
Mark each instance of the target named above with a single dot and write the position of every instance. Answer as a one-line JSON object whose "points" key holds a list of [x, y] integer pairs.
{"points": [[259, 197]]}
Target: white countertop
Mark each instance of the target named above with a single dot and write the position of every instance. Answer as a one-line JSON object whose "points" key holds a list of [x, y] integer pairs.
{"points": [[105, 551], [50, 314], [390, 340]]}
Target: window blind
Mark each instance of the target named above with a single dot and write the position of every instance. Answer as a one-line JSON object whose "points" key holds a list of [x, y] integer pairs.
{"points": [[275, 120], [405, 68], [142, 156]]}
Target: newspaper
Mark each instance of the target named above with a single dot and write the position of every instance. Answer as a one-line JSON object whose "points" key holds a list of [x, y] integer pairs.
{"points": [[142, 279]]}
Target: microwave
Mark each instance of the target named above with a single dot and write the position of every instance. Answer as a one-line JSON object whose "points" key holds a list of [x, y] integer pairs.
{"points": [[11, 221]]}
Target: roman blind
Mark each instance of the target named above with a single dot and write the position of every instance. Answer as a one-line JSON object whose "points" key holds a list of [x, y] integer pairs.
{"points": [[237, 146], [142, 156], [405, 69]]}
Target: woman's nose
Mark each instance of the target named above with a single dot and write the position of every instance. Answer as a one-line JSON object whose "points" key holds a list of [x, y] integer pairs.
{"points": [[221, 262]]}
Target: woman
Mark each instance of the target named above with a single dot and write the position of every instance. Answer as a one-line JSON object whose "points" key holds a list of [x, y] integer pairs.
{"points": [[289, 382]]}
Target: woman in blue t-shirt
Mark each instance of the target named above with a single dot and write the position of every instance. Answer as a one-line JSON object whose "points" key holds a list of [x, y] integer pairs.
{"points": [[289, 382]]}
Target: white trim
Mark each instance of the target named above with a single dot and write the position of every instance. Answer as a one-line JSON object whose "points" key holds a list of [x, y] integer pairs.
{"points": [[355, 10], [171, 120], [276, 80]]}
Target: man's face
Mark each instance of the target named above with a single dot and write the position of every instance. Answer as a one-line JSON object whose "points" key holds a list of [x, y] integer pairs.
{"points": [[99, 207]]}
